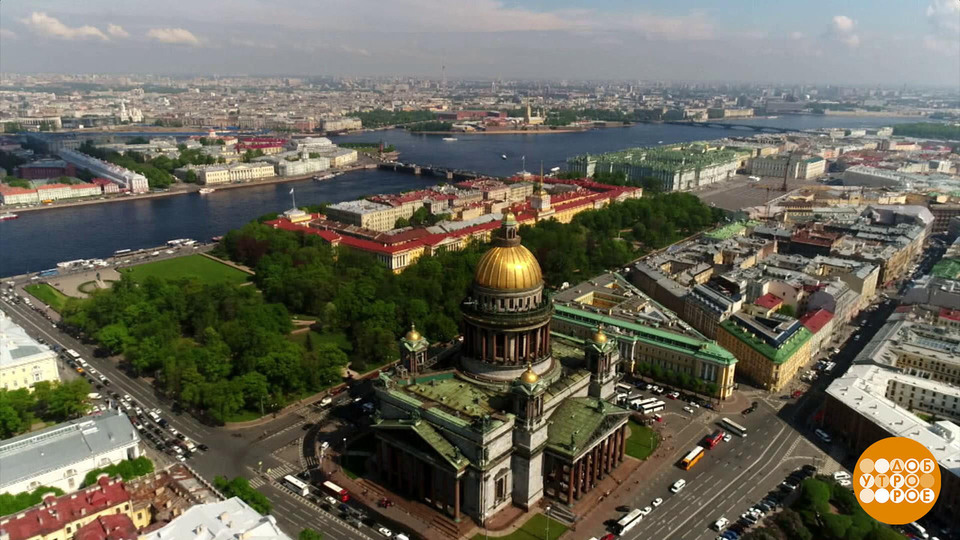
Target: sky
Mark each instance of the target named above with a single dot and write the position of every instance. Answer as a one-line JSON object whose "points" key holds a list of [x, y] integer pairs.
{"points": [[890, 42]]}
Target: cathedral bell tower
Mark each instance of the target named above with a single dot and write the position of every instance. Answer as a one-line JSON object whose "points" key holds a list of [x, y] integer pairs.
{"points": [[413, 354], [529, 438], [602, 357]]}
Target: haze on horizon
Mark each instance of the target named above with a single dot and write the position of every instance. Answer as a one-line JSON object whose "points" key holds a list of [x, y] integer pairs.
{"points": [[867, 42]]}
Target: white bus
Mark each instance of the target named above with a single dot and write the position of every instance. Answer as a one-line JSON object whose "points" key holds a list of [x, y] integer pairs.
{"points": [[73, 355], [628, 522], [734, 427], [656, 406], [298, 486]]}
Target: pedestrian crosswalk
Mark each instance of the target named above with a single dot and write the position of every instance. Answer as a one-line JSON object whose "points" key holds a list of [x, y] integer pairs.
{"points": [[272, 474]]}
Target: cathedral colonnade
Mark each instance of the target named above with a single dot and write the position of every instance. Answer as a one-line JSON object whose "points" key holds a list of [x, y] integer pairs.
{"points": [[569, 480]]}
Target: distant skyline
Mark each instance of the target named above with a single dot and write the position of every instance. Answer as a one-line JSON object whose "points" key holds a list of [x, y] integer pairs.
{"points": [[866, 42]]}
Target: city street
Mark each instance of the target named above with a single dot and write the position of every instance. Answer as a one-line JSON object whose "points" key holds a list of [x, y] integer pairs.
{"points": [[230, 453]]}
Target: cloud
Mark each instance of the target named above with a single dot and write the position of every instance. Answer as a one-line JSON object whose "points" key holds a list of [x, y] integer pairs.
{"points": [[842, 23], [945, 15], [7, 34], [252, 44], [796, 35], [944, 18], [116, 30], [841, 29], [173, 35], [353, 50], [42, 24]]}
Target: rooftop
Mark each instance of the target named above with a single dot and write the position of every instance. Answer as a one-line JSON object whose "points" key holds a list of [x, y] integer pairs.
{"points": [[232, 518], [578, 422], [776, 337], [454, 393], [54, 513], [17, 347], [56, 447]]}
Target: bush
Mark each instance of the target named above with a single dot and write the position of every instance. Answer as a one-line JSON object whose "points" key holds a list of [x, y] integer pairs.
{"points": [[240, 487], [127, 470], [13, 503]]}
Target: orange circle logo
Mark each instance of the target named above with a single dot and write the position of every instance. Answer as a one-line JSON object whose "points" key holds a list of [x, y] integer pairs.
{"points": [[897, 480]]}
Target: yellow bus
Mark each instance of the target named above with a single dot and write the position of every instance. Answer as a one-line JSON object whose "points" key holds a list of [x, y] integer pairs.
{"points": [[691, 458]]}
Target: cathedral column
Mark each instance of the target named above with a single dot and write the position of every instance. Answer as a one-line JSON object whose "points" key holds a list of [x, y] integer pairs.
{"points": [[576, 476], [570, 485], [623, 441], [456, 498], [481, 338], [379, 457], [611, 450], [598, 472]]}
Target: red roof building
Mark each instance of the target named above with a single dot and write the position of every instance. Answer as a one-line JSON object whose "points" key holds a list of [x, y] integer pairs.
{"points": [[952, 315], [814, 321], [68, 512], [109, 527], [768, 301]]}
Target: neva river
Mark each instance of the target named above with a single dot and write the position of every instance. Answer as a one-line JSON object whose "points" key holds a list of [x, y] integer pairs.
{"points": [[39, 239]]}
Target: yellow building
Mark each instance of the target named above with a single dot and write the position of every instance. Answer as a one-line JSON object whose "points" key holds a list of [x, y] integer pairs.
{"points": [[769, 350], [23, 361]]}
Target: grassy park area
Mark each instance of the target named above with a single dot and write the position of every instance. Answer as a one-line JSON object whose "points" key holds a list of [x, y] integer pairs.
{"points": [[534, 529], [48, 295], [642, 442], [202, 268]]}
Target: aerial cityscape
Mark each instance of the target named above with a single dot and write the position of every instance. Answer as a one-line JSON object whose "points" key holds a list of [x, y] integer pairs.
{"points": [[479, 269]]}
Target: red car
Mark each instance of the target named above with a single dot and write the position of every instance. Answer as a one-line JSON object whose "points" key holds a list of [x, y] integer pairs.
{"points": [[796, 394], [609, 536]]}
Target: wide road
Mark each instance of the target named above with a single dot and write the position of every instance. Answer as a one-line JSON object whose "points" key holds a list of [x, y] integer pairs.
{"points": [[230, 453]]}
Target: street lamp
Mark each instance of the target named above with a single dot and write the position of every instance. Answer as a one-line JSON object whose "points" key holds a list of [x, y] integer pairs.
{"points": [[547, 515]]}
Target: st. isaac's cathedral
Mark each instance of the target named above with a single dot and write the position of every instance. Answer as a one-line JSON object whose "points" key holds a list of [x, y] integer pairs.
{"points": [[521, 415]]}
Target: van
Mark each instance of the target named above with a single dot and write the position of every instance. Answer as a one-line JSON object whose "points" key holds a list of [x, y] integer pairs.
{"points": [[154, 416]]}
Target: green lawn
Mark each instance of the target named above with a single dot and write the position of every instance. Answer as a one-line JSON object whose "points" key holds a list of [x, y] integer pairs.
{"points": [[534, 529], [244, 415], [642, 442], [192, 266], [48, 295]]}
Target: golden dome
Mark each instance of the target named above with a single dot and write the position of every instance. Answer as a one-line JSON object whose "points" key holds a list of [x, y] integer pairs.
{"points": [[508, 268], [413, 335], [600, 337], [529, 376]]}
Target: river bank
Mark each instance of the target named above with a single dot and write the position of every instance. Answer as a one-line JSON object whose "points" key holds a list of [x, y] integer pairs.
{"points": [[186, 189], [505, 131]]}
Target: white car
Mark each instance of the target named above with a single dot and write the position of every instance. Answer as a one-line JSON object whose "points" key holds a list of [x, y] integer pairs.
{"points": [[331, 501], [694, 405], [678, 485], [646, 510], [727, 437], [841, 475], [385, 531], [719, 524], [326, 401], [688, 409], [174, 432], [656, 502]]}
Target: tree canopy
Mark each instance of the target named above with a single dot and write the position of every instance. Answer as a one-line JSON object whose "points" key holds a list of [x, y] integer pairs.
{"points": [[928, 130], [383, 117], [217, 348], [240, 487], [50, 402]]}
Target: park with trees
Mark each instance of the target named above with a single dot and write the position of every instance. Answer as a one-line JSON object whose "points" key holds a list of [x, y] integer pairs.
{"points": [[50, 403]]}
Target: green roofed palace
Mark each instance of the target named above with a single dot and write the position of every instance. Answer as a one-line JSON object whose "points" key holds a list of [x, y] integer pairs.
{"points": [[679, 167], [770, 348], [521, 415]]}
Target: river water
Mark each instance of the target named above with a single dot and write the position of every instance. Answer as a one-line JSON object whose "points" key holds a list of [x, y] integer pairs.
{"points": [[39, 239]]}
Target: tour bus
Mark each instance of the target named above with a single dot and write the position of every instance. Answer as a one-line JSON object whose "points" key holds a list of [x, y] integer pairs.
{"points": [[298, 486], [691, 458], [628, 522], [624, 388], [712, 440], [734, 427], [638, 402], [653, 407], [337, 491]]}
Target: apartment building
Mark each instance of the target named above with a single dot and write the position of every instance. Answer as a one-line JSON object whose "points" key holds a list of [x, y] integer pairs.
{"points": [[769, 350]]}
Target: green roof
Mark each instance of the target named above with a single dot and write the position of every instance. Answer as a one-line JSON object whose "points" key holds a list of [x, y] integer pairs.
{"points": [[947, 269], [706, 350], [775, 355], [457, 394], [687, 156], [578, 422], [727, 231], [432, 437]]}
